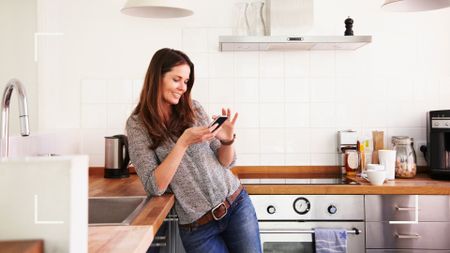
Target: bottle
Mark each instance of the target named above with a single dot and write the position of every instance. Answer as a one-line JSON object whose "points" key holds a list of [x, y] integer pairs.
{"points": [[362, 159]]}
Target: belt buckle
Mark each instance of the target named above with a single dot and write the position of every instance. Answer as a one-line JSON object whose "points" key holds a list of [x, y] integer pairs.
{"points": [[215, 208]]}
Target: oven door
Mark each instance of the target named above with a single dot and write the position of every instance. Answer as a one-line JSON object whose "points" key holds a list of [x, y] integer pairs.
{"points": [[291, 236]]}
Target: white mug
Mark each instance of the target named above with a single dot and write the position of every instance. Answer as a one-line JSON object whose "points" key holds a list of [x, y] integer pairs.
{"points": [[372, 166], [387, 159], [376, 177]]}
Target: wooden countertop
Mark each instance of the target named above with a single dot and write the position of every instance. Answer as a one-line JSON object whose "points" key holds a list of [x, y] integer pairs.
{"points": [[22, 246], [138, 236], [422, 184]]}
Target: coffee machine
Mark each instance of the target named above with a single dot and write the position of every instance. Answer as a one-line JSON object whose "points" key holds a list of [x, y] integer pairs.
{"points": [[116, 156], [438, 144]]}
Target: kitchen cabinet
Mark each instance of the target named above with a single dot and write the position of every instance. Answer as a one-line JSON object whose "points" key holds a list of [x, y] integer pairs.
{"points": [[167, 239], [413, 222]]}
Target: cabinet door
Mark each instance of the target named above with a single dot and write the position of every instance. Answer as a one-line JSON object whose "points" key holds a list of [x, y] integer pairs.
{"points": [[403, 207], [434, 208], [424, 235], [406, 251]]}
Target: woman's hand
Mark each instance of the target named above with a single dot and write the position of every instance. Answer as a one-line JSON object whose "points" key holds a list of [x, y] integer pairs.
{"points": [[226, 131], [194, 135]]}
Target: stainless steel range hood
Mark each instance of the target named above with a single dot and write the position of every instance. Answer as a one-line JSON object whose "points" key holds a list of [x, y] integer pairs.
{"points": [[274, 43]]}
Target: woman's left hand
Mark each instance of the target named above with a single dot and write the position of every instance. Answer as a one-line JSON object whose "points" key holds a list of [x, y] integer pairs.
{"points": [[226, 131]]}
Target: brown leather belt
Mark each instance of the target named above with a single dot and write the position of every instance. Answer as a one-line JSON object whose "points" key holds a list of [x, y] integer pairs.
{"points": [[218, 212]]}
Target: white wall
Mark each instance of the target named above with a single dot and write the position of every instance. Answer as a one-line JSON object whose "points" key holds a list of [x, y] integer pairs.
{"points": [[291, 103], [17, 28]]}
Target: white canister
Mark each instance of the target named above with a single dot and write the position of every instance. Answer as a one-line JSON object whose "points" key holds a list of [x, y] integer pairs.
{"points": [[387, 159]]}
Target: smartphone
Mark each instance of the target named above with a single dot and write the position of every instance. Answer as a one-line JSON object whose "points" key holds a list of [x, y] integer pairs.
{"points": [[219, 120]]}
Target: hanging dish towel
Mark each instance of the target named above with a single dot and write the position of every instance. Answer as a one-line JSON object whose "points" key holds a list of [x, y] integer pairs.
{"points": [[330, 240]]}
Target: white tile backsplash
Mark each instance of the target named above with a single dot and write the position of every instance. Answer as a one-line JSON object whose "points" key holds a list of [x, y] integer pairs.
{"points": [[322, 64], [297, 114], [272, 141], [290, 103], [296, 90], [247, 140], [271, 115], [296, 63], [93, 115], [271, 90], [322, 115], [248, 115], [297, 140], [221, 64], [247, 64], [221, 90], [195, 39], [117, 115], [322, 89], [93, 91], [271, 64], [119, 91], [138, 84], [246, 90]]}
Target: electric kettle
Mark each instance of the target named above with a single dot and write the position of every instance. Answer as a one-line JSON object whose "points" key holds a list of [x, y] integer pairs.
{"points": [[116, 156]]}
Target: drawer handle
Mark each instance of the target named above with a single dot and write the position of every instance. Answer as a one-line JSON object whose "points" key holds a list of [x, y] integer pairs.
{"points": [[405, 208], [402, 236]]}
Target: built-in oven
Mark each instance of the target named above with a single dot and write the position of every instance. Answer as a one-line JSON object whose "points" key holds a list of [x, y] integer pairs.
{"points": [[287, 223]]}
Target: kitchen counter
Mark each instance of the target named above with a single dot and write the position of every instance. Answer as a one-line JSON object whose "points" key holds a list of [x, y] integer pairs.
{"points": [[138, 236], [422, 184], [20, 246]]}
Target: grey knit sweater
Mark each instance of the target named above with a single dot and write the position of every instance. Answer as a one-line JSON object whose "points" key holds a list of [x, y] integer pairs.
{"points": [[200, 182]]}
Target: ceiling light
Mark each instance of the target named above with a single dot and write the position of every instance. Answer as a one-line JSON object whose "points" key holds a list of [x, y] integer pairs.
{"points": [[414, 5], [156, 8]]}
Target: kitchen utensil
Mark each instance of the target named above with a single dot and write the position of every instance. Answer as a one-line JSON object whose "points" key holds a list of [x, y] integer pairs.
{"points": [[116, 156]]}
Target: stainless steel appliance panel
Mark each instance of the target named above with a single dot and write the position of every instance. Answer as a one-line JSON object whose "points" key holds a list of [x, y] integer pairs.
{"points": [[298, 236], [403, 208], [434, 208], [320, 207], [407, 251], [424, 235]]}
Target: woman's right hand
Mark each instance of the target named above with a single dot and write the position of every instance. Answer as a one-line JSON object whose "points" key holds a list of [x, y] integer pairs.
{"points": [[194, 135]]}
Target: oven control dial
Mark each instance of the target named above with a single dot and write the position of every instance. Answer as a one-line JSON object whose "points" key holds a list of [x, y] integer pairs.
{"points": [[271, 209], [302, 205], [332, 209]]}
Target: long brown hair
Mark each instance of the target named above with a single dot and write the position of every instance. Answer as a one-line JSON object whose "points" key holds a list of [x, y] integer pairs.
{"points": [[149, 108]]}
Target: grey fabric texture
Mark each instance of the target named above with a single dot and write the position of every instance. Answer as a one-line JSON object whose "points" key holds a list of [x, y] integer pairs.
{"points": [[200, 182]]}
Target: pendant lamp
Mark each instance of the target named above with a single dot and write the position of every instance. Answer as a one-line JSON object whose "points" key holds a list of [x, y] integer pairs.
{"points": [[414, 5], [157, 8]]}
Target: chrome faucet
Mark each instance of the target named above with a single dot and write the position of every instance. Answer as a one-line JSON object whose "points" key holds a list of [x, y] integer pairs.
{"points": [[23, 114]]}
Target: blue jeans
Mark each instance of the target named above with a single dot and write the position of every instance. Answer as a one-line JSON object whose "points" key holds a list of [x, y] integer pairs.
{"points": [[237, 232]]}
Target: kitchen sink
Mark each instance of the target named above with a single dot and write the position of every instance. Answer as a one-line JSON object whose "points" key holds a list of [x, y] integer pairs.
{"points": [[104, 211]]}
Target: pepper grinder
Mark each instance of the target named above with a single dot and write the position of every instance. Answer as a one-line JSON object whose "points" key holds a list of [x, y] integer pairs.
{"points": [[348, 27]]}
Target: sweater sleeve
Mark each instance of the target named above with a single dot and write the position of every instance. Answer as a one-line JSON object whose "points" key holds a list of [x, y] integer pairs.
{"points": [[205, 121], [142, 157]]}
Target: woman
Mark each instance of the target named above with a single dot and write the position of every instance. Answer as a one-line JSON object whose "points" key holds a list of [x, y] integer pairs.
{"points": [[173, 147]]}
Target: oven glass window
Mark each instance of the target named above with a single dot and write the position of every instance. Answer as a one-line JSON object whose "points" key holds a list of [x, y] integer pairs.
{"points": [[288, 247]]}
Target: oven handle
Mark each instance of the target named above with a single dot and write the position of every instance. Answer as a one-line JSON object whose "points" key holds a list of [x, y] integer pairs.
{"points": [[296, 231]]}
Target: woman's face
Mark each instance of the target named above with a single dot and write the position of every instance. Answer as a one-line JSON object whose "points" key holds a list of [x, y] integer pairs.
{"points": [[174, 84]]}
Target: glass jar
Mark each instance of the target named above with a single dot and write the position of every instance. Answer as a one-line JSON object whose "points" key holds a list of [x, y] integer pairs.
{"points": [[351, 162], [405, 162]]}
